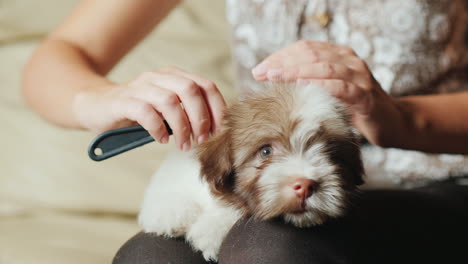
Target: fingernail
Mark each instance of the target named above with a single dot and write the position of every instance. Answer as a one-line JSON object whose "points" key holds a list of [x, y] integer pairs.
{"points": [[186, 146], [260, 69], [202, 138], [164, 139], [274, 73]]}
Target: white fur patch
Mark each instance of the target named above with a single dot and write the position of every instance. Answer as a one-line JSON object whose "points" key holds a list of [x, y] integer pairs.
{"points": [[177, 203], [315, 106]]}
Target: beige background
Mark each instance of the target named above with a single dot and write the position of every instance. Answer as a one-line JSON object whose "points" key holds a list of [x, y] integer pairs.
{"points": [[56, 205]]}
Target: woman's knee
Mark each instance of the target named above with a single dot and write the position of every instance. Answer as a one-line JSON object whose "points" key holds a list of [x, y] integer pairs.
{"points": [[148, 248], [251, 241], [382, 227]]}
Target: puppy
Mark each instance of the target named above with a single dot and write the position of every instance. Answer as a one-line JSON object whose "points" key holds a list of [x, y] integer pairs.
{"points": [[285, 152]]}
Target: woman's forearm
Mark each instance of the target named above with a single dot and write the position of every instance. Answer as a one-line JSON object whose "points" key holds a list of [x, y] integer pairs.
{"points": [[56, 73], [434, 123]]}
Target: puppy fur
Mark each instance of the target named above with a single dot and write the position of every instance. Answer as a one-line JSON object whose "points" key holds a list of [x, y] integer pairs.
{"points": [[270, 141]]}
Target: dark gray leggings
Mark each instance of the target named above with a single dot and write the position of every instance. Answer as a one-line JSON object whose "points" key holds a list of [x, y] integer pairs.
{"points": [[424, 225]]}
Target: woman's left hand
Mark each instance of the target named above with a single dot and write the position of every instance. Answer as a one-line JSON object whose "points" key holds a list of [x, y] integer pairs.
{"points": [[346, 76]]}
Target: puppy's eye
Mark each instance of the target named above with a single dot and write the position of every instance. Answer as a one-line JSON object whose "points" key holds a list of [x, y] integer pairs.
{"points": [[266, 151]]}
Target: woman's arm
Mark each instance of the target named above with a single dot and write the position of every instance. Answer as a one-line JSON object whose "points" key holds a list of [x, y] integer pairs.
{"points": [[434, 123], [64, 80], [79, 52], [431, 123]]}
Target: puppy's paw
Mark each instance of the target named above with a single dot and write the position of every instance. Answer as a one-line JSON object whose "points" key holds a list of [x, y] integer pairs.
{"points": [[168, 218], [210, 229], [207, 238]]}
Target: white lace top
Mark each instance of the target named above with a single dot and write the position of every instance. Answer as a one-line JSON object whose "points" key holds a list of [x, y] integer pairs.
{"points": [[411, 47]]}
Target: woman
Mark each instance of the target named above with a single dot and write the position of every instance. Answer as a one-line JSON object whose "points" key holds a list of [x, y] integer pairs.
{"points": [[379, 48]]}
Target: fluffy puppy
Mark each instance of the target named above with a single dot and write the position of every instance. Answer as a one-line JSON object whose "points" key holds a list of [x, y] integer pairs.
{"points": [[284, 152]]}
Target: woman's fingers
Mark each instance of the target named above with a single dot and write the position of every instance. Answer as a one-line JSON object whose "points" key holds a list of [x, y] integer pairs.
{"points": [[193, 101], [213, 97], [347, 92], [167, 103], [190, 104], [143, 113], [319, 70], [335, 68], [298, 66]]}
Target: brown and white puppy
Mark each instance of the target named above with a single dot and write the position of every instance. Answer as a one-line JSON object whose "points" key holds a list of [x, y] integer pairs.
{"points": [[284, 152]]}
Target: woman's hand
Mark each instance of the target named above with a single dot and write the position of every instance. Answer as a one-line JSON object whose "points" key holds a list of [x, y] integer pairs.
{"points": [[346, 76], [191, 105]]}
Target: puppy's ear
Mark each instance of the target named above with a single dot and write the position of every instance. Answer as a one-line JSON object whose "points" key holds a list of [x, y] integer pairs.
{"points": [[346, 153], [355, 166], [216, 163]]}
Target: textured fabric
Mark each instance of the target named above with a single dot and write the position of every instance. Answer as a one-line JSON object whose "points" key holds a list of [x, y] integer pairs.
{"points": [[411, 46], [148, 249], [423, 225]]}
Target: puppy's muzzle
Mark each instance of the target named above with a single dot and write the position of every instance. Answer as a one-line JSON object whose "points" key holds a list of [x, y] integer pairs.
{"points": [[303, 187]]}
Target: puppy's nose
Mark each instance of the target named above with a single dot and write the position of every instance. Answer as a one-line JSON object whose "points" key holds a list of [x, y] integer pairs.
{"points": [[303, 188]]}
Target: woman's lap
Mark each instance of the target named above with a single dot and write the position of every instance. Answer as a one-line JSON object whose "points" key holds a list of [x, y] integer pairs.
{"points": [[146, 248], [417, 226]]}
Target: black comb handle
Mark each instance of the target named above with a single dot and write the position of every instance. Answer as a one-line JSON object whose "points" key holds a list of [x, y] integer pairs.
{"points": [[117, 141]]}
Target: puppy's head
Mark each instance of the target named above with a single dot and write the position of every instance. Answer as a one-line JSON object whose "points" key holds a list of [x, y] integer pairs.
{"points": [[286, 151]]}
